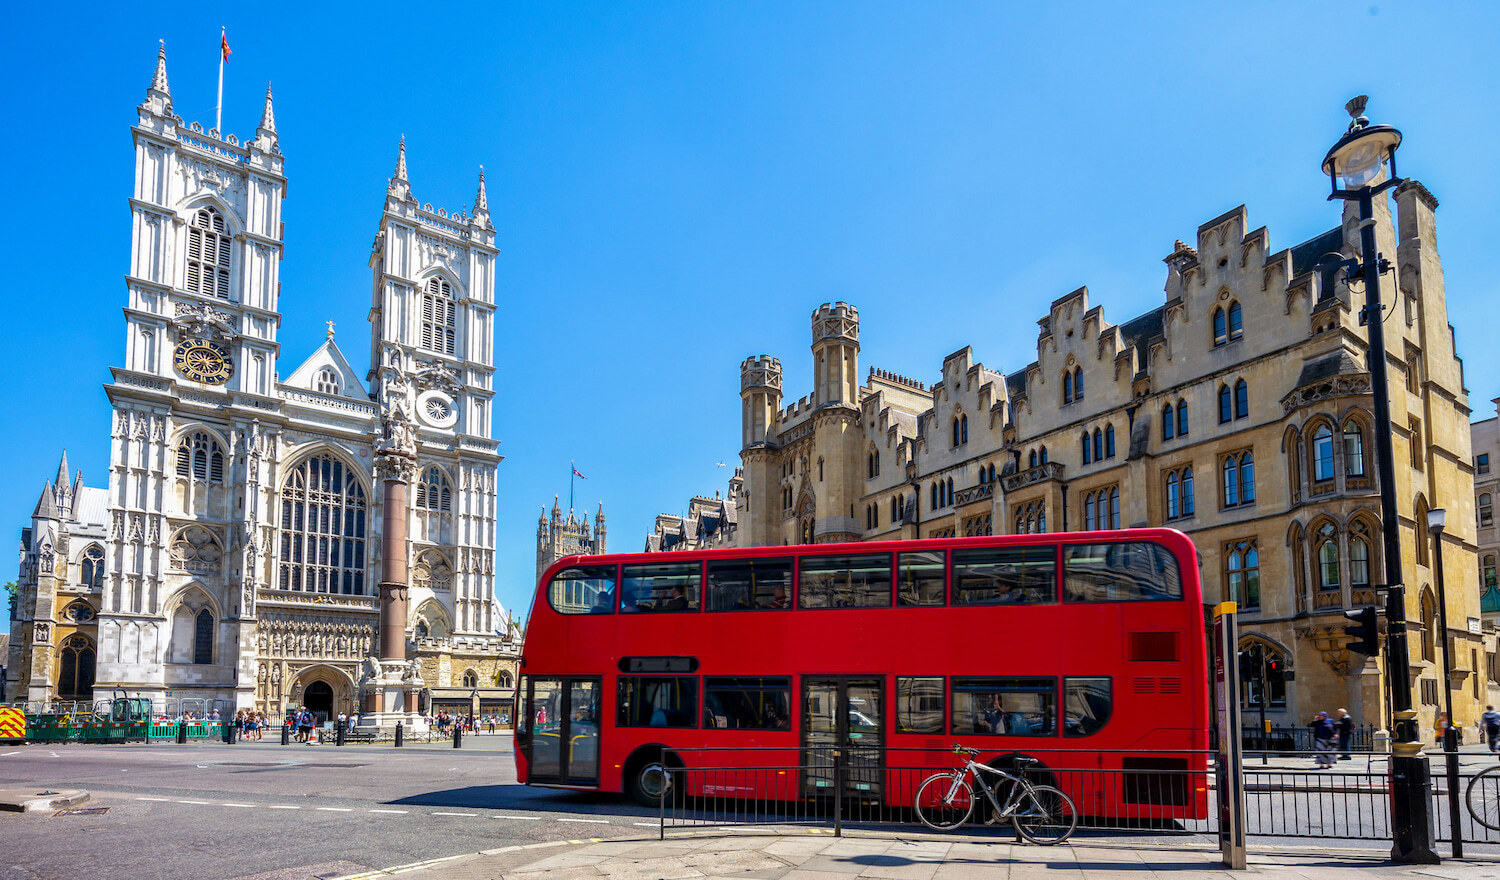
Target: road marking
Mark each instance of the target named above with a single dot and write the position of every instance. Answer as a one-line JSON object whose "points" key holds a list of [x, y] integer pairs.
{"points": [[8, 754], [280, 807], [163, 800], [335, 809], [236, 805], [522, 818], [199, 803], [455, 814], [647, 824], [590, 821], [396, 812]]}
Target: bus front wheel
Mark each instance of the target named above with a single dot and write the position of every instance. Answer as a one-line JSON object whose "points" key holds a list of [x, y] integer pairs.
{"points": [[649, 780]]}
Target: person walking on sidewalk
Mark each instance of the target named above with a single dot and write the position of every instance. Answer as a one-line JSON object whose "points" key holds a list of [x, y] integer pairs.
{"points": [[1345, 726], [1491, 721], [1322, 731]]}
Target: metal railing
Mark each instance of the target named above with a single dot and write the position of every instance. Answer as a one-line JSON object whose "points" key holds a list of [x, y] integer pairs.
{"points": [[1287, 738]]}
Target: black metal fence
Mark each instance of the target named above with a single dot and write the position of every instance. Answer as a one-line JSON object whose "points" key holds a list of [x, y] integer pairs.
{"points": [[1173, 793], [1284, 738]]}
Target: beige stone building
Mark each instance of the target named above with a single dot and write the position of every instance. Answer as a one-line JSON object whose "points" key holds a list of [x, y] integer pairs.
{"points": [[1486, 441], [1238, 411]]}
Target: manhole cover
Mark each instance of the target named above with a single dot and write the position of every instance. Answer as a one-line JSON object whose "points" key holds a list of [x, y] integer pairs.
{"points": [[86, 811]]}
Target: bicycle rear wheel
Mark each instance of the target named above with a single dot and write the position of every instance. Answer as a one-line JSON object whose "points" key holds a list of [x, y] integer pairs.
{"points": [[936, 809], [1045, 816], [1483, 797]]}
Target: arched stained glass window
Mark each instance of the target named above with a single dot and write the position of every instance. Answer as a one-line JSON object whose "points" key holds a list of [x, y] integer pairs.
{"points": [[208, 255], [323, 528]]}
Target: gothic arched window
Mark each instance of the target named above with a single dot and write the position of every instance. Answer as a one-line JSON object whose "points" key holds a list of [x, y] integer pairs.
{"points": [[471, 679], [323, 530], [1031, 459], [208, 255], [1109, 441], [1241, 399], [1221, 327], [1167, 424], [1328, 557], [1086, 448], [75, 674], [1236, 321], [199, 457], [439, 317], [1042, 455], [1242, 573], [1182, 418], [1067, 387], [1322, 454], [1226, 411], [203, 637], [93, 567]]}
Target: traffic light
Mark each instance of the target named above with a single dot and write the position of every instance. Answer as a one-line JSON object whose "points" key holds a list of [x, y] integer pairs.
{"points": [[1364, 636], [1274, 669], [1249, 666]]}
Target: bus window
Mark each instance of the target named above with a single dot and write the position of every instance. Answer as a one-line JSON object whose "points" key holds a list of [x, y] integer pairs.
{"points": [[845, 581], [919, 705], [669, 587], [658, 701], [1004, 576], [749, 584], [589, 590], [1087, 705], [1124, 572], [1005, 706], [920, 578], [747, 703]]}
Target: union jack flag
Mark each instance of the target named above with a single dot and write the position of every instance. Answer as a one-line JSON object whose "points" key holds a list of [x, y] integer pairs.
{"points": [[578, 475]]}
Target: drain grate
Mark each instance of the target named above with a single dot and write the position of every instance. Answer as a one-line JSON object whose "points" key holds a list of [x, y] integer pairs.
{"points": [[85, 811]]}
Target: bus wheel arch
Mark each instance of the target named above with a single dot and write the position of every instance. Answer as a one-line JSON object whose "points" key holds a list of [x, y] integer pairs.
{"points": [[649, 768]]}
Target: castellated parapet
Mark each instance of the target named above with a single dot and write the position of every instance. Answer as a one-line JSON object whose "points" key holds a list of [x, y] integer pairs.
{"points": [[836, 322], [761, 372]]}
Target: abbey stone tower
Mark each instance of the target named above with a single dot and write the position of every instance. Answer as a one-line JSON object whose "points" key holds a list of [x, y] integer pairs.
{"points": [[244, 548]]}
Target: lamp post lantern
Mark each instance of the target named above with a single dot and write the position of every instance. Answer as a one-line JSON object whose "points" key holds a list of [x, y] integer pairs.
{"points": [[1436, 519], [1360, 166]]}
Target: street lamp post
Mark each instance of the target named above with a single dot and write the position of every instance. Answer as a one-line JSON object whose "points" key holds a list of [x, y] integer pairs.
{"points": [[1436, 519], [1361, 165]]}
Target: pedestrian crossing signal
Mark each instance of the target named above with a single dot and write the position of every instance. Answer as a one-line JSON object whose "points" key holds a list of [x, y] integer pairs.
{"points": [[1364, 636]]}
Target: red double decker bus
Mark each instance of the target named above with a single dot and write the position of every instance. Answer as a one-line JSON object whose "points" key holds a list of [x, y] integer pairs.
{"points": [[1085, 650]]}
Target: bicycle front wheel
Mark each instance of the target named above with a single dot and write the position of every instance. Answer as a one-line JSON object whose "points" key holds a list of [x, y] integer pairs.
{"points": [[937, 809], [1045, 816], [1483, 797]]}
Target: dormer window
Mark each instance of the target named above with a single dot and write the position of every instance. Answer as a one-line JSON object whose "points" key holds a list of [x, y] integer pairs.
{"points": [[208, 255], [327, 382], [439, 317]]}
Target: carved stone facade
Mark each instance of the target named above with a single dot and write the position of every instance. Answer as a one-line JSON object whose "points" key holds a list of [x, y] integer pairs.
{"points": [[1238, 411], [237, 552]]}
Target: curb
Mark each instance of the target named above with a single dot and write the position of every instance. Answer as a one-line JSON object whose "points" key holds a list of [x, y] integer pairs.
{"points": [[41, 801]]}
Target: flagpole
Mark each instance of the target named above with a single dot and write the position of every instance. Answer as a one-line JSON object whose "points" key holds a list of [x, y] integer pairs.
{"points": [[219, 106], [572, 469]]}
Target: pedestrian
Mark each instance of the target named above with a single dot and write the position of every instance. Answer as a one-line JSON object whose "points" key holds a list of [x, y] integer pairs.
{"points": [[1491, 720], [343, 720], [1323, 732], [1345, 727]]}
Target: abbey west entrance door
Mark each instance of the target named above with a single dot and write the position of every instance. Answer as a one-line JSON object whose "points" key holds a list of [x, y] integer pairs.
{"points": [[318, 698]]}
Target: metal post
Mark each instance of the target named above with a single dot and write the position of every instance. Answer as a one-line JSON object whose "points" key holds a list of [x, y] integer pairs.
{"points": [[398, 734], [1229, 767], [338, 736], [182, 731], [1450, 733], [1411, 780], [286, 734], [838, 792], [458, 735], [1265, 697]]}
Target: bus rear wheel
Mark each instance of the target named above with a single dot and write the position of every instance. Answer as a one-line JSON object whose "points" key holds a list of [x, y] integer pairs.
{"points": [[648, 781]]}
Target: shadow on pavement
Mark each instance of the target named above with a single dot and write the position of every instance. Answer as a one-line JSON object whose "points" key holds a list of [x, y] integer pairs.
{"points": [[514, 796]]}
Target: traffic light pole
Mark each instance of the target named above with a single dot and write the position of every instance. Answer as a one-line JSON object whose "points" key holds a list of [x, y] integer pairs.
{"points": [[1411, 781]]}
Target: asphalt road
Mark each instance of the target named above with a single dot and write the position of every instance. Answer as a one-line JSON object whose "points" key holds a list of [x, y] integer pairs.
{"points": [[214, 811]]}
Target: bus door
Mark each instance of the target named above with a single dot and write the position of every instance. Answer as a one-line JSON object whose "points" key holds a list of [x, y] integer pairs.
{"points": [[845, 714], [562, 741]]}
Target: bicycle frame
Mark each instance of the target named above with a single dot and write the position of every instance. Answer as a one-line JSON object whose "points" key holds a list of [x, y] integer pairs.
{"points": [[975, 768]]}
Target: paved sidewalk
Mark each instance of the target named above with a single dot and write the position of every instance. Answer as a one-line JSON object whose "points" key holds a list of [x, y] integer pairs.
{"points": [[800, 855]]}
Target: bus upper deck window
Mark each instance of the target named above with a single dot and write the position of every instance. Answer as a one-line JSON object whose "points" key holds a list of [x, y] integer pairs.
{"points": [[664, 587], [750, 585], [862, 581], [1005, 576], [585, 590], [1127, 571]]}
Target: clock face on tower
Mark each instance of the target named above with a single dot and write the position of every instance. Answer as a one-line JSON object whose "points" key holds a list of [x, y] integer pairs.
{"points": [[203, 361]]}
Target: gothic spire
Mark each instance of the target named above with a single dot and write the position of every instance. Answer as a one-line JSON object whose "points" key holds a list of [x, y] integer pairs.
{"points": [[62, 471], [159, 81], [401, 162], [267, 117], [481, 201], [46, 506], [399, 187]]}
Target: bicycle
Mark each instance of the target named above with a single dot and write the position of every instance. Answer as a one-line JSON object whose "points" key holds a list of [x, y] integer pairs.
{"points": [[1040, 813], [1483, 799]]}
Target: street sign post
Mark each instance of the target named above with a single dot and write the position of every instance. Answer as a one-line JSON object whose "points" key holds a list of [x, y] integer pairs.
{"points": [[1229, 769]]}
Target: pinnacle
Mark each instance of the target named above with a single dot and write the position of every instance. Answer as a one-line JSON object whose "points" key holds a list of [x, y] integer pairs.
{"points": [[159, 81], [46, 506], [401, 162], [481, 201], [267, 117], [62, 471]]}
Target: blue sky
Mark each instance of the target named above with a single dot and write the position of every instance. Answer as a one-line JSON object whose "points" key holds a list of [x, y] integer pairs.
{"points": [[677, 186]]}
